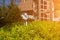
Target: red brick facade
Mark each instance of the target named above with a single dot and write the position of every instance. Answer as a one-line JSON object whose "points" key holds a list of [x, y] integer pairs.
{"points": [[41, 9]]}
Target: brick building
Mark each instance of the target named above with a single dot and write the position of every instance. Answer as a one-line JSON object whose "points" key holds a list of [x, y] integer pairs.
{"points": [[41, 9]]}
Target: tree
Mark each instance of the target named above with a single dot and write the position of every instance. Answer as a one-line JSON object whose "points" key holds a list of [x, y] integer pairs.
{"points": [[11, 13]]}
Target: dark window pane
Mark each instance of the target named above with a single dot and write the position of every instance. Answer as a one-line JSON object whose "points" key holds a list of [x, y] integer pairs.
{"points": [[41, 6], [45, 7], [41, 1], [45, 2]]}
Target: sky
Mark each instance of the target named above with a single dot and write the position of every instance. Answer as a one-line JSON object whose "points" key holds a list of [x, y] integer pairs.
{"points": [[7, 2]]}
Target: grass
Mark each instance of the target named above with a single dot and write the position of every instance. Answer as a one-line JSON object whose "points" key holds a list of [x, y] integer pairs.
{"points": [[37, 30]]}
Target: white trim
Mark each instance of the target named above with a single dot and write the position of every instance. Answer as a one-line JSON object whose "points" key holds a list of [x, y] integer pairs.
{"points": [[53, 11]]}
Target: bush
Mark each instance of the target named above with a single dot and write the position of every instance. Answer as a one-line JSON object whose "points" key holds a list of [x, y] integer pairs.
{"points": [[10, 14], [37, 30]]}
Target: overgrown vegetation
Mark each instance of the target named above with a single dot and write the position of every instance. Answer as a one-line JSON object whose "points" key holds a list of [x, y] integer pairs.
{"points": [[10, 13], [12, 30], [37, 30]]}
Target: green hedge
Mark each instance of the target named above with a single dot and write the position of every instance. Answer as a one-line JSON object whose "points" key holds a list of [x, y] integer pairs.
{"points": [[37, 30]]}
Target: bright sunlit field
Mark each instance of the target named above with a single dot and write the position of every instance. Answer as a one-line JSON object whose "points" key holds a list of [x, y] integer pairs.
{"points": [[37, 30]]}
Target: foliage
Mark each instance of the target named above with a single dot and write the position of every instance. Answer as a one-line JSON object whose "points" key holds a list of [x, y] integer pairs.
{"points": [[10, 15], [13, 14], [10, 12], [37, 30]]}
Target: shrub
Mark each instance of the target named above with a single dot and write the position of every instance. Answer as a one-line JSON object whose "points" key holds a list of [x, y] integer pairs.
{"points": [[37, 30]]}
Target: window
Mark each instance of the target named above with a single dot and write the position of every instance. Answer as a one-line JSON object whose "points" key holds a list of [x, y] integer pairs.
{"points": [[41, 6], [41, 1], [45, 3], [44, 9]]}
